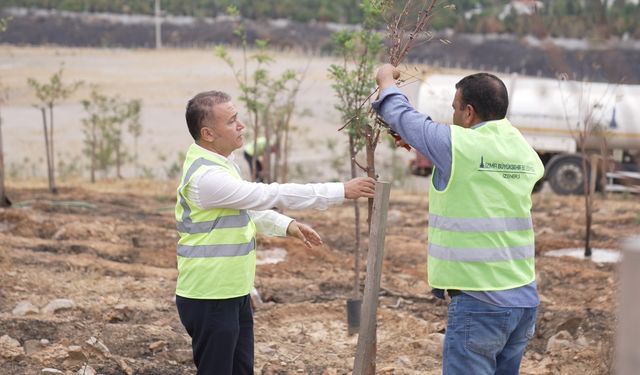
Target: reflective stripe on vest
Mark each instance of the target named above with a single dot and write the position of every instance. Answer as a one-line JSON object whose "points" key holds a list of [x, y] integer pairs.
{"points": [[232, 221], [480, 224], [188, 226], [481, 254], [214, 251]]}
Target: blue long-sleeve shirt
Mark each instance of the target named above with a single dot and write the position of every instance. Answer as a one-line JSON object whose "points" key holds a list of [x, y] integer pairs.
{"points": [[433, 140]]}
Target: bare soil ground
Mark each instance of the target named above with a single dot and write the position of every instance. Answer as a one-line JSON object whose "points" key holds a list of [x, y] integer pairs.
{"points": [[110, 248]]}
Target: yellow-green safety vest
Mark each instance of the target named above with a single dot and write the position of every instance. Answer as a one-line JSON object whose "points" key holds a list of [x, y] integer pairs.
{"points": [[216, 250], [480, 229]]}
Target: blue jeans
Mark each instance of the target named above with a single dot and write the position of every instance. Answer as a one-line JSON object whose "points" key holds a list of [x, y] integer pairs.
{"points": [[483, 339]]}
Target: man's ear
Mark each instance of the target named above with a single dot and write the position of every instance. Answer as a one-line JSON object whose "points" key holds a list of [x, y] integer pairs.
{"points": [[469, 115], [206, 134]]}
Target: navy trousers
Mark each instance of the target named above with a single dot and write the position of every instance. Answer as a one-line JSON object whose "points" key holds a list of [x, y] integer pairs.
{"points": [[221, 334]]}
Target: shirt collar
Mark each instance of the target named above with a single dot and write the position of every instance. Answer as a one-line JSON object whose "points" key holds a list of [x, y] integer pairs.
{"points": [[230, 158], [479, 125]]}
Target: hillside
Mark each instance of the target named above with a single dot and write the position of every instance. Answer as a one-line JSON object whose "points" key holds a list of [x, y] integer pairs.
{"points": [[607, 58]]}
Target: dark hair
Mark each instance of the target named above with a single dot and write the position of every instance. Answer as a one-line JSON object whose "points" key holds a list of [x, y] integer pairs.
{"points": [[200, 108], [486, 93]]}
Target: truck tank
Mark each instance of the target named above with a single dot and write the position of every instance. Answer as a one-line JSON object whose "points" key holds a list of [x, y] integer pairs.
{"points": [[550, 114]]}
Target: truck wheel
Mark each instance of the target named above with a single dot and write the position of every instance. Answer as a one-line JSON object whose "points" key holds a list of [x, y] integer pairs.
{"points": [[566, 176]]}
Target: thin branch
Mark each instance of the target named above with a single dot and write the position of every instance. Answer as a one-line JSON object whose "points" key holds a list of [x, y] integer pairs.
{"points": [[422, 22], [364, 169]]}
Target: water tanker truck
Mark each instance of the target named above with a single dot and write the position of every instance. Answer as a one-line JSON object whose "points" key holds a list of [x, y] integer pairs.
{"points": [[551, 114]]}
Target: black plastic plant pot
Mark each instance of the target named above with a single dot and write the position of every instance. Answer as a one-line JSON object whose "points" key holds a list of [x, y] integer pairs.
{"points": [[353, 315]]}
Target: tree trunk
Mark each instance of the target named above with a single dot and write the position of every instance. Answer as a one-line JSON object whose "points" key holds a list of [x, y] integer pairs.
{"points": [[52, 163], [285, 150], [371, 167], [136, 165], [266, 154], [119, 151], [4, 201], [118, 162], [93, 153], [254, 157], [277, 172], [285, 147], [46, 148], [604, 151], [588, 203], [356, 208]]}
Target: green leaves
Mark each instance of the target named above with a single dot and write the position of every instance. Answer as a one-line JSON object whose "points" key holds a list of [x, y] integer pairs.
{"points": [[353, 79], [54, 91], [232, 10], [221, 52], [107, 118], [270, 101], [4, 22]]}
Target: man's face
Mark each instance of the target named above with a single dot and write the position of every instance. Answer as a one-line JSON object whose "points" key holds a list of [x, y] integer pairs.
{"points": [[227, 130]]}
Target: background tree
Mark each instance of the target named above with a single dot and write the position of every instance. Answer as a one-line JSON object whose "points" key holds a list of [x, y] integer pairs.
{"points": [[49, 94], [280, 104], [98, 109], [127, 118], [270, 102], [107, 118], [4, 200], [134, 127], [587, 122]]}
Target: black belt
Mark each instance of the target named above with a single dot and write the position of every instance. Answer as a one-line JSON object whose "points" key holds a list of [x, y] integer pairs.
{"points": [[453, 292]]}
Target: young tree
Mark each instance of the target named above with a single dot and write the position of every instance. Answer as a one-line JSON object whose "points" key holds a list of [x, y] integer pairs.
{"points": [[354, 85], [49, 94], [404, 32], [359, 51], [134, 127], [127, 116], [584, 124], [98, 108], [281, 96], [270, 102]]}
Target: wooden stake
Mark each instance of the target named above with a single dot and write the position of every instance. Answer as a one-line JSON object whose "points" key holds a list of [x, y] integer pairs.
{"points": [[627, 348], [365, 361]]}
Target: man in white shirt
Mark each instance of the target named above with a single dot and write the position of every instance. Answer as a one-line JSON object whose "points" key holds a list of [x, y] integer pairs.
{"points": [[218, 214]]}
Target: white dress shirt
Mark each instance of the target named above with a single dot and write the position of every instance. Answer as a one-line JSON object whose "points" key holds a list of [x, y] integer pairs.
{"points": [[217, 188]]}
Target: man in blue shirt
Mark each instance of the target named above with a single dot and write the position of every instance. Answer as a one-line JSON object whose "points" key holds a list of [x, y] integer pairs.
{"points": [[503, 347]]}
